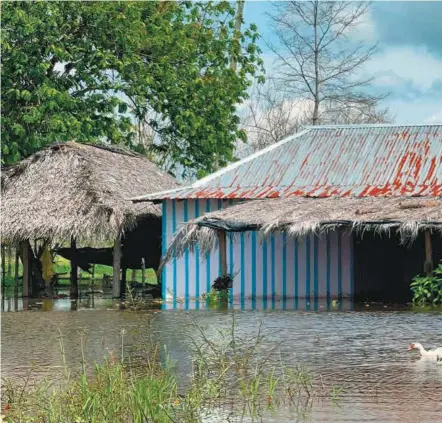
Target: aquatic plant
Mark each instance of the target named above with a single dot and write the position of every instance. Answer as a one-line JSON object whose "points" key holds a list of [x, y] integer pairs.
{"points": [[428, 289], [214, 297]]}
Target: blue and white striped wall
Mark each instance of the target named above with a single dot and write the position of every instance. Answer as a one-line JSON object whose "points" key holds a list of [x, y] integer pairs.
{"points": [[271, 268]]}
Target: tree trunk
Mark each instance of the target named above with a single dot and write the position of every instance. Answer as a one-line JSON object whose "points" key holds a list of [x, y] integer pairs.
{"points": [[74, 270], [315, 119], [238, 23]]}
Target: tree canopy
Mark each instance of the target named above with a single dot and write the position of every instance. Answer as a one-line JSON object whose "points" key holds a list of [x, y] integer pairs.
{"points": [[107, 71]]}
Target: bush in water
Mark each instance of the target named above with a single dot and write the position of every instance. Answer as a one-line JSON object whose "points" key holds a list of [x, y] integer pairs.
{"points": [[428, 289]]}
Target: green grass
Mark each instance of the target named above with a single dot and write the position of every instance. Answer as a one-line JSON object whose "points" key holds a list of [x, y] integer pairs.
{"points": [[62, 267]]}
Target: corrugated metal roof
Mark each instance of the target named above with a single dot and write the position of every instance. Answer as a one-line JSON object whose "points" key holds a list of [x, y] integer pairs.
{"points": [[363, 160]]}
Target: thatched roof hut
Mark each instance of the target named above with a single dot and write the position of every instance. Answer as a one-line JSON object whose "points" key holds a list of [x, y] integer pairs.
{"points": [[301, 216], [79, 191]]}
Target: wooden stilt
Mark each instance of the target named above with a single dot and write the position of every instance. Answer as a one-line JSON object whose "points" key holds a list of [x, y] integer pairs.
{"points": [[9, 261], [143, 271], [223, 252], [26, 268], [93, 275], [17, 258], [133, 276], [428, 266], [116, 287], [3, 272], [74, 270], [123, 282]]}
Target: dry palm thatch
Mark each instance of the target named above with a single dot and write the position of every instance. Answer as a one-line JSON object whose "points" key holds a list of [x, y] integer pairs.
{"points": [[79, 191], [301, 216]]}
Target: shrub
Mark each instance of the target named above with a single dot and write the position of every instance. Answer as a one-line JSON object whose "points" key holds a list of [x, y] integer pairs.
{"points": [[428, 289]]}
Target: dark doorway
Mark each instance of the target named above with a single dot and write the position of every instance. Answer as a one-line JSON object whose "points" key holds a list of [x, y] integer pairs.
{"points": [[384, 267]]}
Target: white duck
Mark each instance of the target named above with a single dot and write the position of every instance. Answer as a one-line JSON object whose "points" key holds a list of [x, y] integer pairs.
{"points": [[434, 353]]}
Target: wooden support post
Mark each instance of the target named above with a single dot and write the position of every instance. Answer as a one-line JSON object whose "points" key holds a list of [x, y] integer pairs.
{"points": [[143, 271], [26, 268], [123, 282], [17, 258], [9, 261], [428, 266], [223, 252], [133, 276], [116, 288], [74, 270], [3, 272], [93, 276]]}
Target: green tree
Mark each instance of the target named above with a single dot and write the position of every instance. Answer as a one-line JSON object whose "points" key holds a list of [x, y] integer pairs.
{"points": [[100, 71]]}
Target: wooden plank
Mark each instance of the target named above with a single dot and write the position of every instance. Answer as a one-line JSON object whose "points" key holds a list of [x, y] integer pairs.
{"points": [[116, 291], [223, 252], [428, 266]]}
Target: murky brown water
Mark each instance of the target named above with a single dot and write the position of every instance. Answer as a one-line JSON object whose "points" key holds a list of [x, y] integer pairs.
{"points": [[364, 352]]}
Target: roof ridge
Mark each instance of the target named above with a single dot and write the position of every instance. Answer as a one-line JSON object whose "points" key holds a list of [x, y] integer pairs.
{"points": [[112, 148], [369, 125]]}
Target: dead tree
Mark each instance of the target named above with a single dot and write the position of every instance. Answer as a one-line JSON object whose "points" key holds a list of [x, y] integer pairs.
{"points": [[319, 61]]}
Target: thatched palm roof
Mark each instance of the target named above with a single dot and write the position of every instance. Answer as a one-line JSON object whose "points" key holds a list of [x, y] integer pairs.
{"points": [[301, 216], [78, 190]]}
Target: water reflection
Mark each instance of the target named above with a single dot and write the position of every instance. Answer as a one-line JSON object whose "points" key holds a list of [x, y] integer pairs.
{"points": [[303, 304], [100, 302]]}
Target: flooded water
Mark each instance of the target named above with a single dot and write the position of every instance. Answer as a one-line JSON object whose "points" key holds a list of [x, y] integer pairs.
{"points": [[361, 350]]}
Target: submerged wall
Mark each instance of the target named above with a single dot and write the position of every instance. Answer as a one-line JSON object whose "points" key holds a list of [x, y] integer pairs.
{"points": [[278, 266]]}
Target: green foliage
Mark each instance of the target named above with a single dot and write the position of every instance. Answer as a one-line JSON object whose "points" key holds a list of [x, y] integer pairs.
{"points": [[98, 71], [428, 289]]}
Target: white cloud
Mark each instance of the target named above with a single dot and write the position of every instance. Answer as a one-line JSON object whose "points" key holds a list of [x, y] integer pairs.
{"points": [[388, 80], [412, 64], [436, 118], [365, 30]]}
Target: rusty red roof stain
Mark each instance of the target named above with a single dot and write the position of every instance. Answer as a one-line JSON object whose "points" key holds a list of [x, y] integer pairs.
{"points": [[336, 161]]}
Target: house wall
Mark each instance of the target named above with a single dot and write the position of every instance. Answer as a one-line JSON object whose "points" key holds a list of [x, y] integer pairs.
{"points": [[317, 267]]}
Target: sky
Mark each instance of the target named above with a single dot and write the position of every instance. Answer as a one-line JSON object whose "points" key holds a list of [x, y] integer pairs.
{"points": [[408, 64]]}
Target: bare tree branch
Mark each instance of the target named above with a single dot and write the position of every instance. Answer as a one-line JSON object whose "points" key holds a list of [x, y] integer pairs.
{"points": [[319, 62]]}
